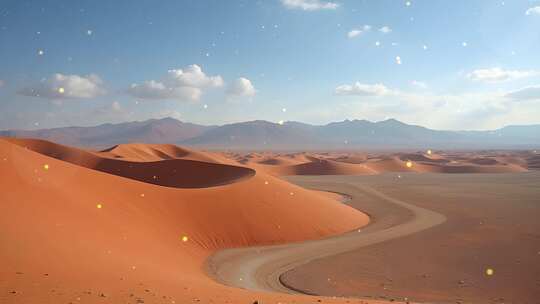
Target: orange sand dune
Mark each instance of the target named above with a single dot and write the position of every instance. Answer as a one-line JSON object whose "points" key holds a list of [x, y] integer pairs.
{"points": [[178, 173], [148, 152], [70, 234], [340, 163]]}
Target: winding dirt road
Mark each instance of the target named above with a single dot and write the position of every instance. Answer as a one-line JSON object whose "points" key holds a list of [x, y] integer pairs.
{"points": [[260, 268]]}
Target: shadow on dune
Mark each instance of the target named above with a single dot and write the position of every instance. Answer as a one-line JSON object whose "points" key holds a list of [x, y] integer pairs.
{"points": [[175, 173]]}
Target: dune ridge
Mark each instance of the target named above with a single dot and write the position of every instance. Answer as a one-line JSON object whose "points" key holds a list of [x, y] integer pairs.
{"points": [[139, 162]]}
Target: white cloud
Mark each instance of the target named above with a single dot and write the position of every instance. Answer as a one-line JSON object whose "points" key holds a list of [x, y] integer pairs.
{"points": [[498, 74], [242, 87], [533, 11], [528, 93], [157, 90], [186, 84], [419, 84], [192, 76], [60, 86], [357, 32], [385, 29], [310, 5], [360, 89]]}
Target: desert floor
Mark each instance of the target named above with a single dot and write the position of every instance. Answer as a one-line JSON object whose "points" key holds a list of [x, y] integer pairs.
{"points": [[492, 227]]}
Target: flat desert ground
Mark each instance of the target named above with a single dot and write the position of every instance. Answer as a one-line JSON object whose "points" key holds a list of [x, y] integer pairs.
{"points": [[487, 251], [141, 223]]}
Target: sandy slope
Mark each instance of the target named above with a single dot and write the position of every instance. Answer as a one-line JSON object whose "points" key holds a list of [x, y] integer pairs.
{"points": [[73, 234]]}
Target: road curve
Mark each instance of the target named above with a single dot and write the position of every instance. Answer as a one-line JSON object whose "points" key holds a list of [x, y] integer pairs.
{"points": [[260, 268]]}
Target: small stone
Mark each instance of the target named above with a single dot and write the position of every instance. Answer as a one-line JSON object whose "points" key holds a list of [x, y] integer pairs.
{"points": [[13, 292], [103, 295]]}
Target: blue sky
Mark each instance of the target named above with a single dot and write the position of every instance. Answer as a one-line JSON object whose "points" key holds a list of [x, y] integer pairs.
{"points": [[442, 64]]}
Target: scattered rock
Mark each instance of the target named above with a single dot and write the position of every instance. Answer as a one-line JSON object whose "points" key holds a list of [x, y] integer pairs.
{"points": [[103, 295], [13, 292]]}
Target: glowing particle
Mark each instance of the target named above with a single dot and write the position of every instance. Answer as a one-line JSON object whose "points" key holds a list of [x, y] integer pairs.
{"points": [[429, 152], [46, 167], [205, 106], [292, 193], [425, 47], [284, 110], [266, 182], [89, 32], [490, 271], [377, 43], [398, 60], [99, 206], [61, 90], [185, 238], [142, 194], [464, 44], [281, 122], [133, 267], [408, 3], [40, 52], [154, 177], [409, 164]]}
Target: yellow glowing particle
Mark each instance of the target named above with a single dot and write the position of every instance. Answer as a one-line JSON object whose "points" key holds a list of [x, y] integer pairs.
{"points": [[185, 238], [429, 152], [61, 90], [409, 164], [99, 206], [490, 272], [46, 167]]}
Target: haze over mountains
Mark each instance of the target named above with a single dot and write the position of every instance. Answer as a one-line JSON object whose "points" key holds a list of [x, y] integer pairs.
{"points": [[264, 135]]}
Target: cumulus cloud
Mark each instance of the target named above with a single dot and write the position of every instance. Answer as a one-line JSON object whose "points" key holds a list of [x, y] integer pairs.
{"points": [[385, 29], [241, 87], [310, 5], [152, 89], [360, 89], [359, 31], [187, 83], [528, 93], [499, 75], [60, 86], [533, 11]]}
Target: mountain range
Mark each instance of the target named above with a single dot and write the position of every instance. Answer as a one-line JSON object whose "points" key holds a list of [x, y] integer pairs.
{"points": [[265, 135]]}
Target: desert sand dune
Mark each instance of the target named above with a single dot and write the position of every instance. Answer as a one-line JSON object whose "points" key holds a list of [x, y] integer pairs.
{"points": [[149, 152], [342, 163], [177, 173], [72, 234]]}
